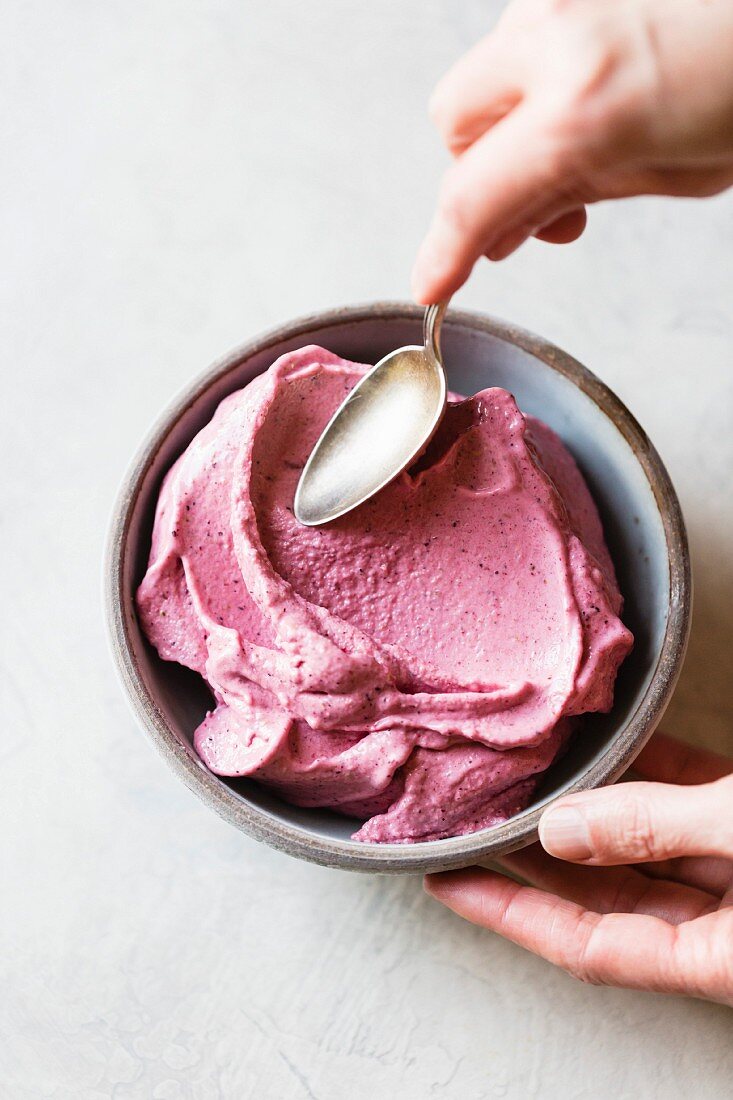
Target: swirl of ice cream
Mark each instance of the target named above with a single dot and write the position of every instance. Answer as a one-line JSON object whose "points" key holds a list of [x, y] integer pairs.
{"points": [[414, 664]]}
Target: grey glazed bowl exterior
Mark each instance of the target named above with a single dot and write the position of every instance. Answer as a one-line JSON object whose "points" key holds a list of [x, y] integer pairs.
{"points": [[643, 522]]}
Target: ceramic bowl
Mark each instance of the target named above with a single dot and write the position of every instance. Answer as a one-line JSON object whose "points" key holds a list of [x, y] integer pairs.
{"points": [[644, 529]]}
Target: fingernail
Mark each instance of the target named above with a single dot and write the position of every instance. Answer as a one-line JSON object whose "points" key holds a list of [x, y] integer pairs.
{"points": [[564, 833]]}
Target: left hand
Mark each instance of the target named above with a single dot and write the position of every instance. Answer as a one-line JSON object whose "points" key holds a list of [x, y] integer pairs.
{"points": [[651, 904]]}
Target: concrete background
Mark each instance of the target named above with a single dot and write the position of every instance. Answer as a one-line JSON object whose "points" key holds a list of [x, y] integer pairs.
{"points": [[178, 176]]}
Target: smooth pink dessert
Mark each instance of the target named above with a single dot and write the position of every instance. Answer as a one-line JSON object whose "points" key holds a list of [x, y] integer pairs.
{"points": [[414, 664]]}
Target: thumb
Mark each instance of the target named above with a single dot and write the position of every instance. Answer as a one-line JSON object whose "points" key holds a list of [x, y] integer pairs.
{"points": [[641, 822]]}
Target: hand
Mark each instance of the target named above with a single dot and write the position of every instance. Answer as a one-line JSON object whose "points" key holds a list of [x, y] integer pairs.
{"points": [[650, 907], [569, 102]]}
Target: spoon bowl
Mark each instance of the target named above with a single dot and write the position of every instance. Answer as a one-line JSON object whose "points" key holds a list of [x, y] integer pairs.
{"points": [[379, 430]]}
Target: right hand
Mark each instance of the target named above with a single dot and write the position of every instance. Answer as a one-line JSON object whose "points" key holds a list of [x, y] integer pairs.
{"points": [[568, 102]]}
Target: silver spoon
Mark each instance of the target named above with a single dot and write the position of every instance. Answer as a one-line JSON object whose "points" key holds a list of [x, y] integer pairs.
{"points": [[384, 424]]}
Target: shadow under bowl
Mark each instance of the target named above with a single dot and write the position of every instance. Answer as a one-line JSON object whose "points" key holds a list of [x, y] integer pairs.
{"points": [[644, 531]]}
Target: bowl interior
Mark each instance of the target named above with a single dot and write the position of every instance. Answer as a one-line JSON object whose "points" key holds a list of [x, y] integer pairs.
{"points": [[475, 358]]}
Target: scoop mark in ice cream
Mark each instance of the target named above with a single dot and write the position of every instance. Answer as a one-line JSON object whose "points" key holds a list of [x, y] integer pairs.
{"points": [[415, 664]]}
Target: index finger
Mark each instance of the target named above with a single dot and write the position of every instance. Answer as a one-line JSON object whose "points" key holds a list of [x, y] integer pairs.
{"points": [[614, 949], [512, 177]]}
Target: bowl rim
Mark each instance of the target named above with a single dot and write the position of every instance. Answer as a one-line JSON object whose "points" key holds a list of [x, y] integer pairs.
{"points": [[421, 856]]}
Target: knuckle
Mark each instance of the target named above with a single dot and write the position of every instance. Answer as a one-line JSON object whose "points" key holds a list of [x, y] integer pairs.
{"points": [[570, 126], [605, 84], [452, 203], [583, 965], [455, 132], [583, 974], [637, 827], [703, 962], [441, 112], [560, 7], [625, 824]]}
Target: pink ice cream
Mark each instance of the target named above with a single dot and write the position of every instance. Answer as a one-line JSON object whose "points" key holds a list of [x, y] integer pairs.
{"points": [[415, 664]]}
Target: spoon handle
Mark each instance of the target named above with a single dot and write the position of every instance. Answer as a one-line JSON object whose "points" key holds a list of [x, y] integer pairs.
{"points": [[431, 328]]}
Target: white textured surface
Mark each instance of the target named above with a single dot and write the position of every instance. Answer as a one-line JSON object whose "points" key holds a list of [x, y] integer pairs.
{"points": [[177, 176]]}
